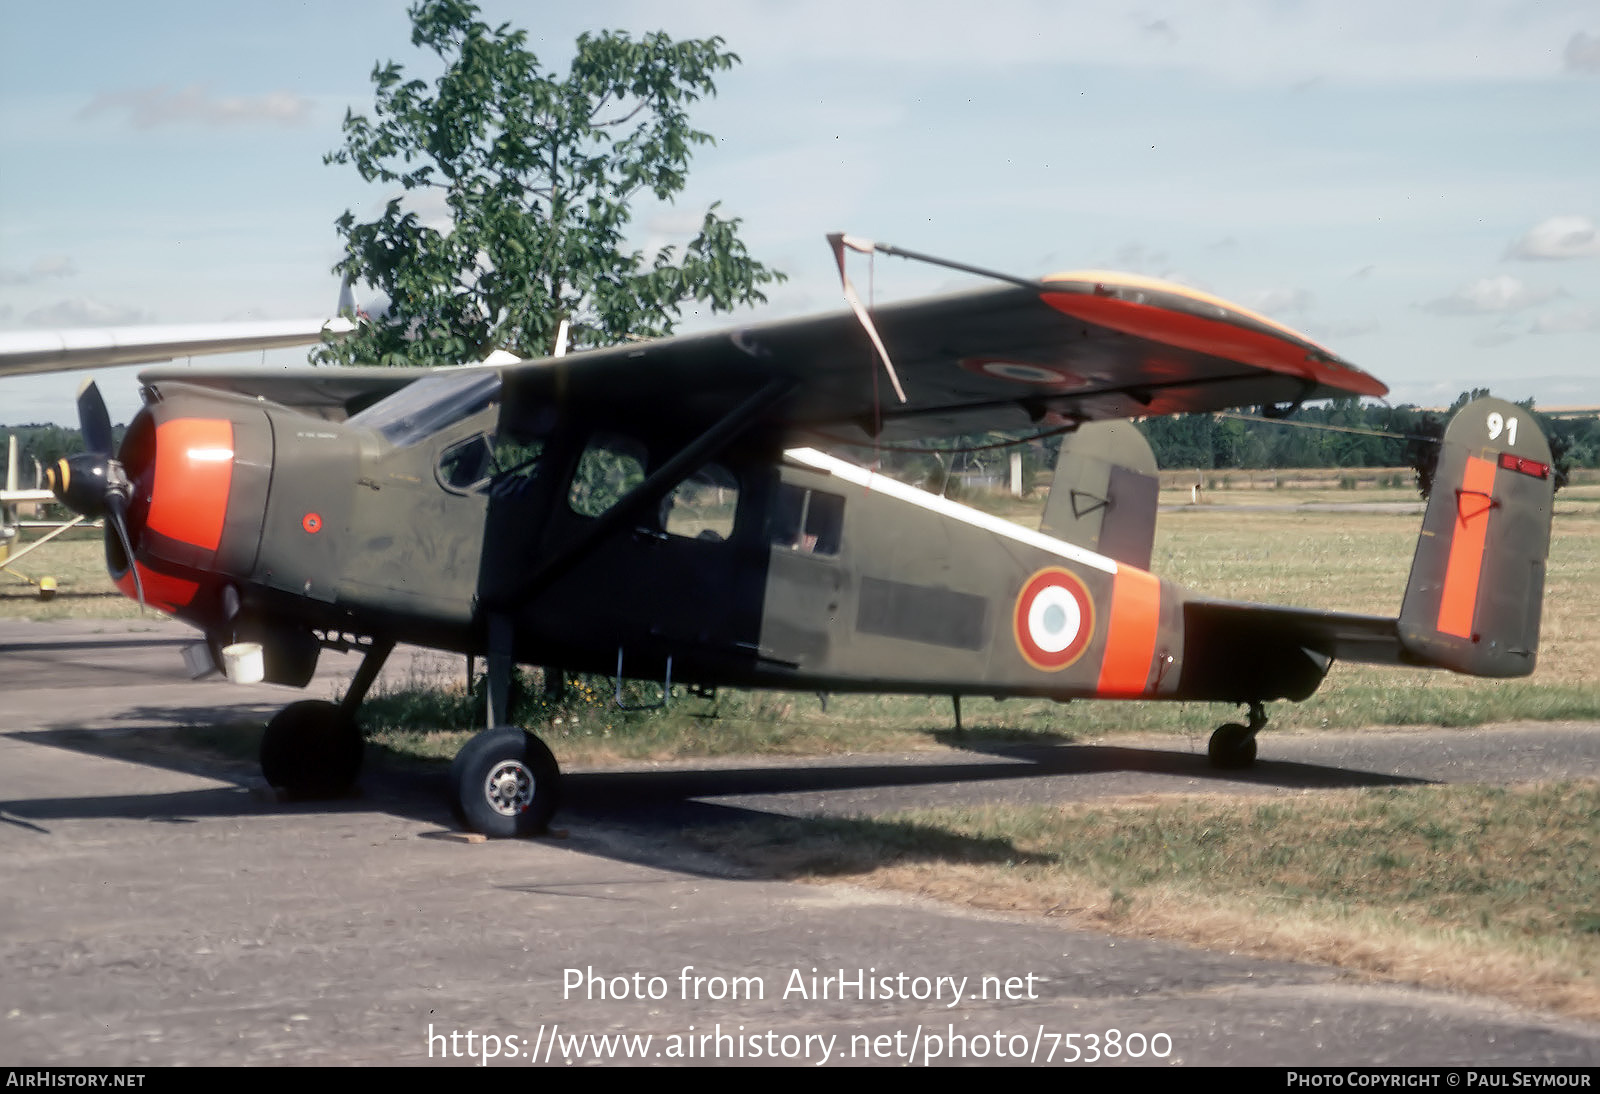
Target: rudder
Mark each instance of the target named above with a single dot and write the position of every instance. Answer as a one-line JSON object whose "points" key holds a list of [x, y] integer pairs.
{"points": [[1473, 601]]}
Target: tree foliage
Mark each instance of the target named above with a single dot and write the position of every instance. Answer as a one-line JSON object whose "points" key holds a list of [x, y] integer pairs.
{"points": [[536, 173]]}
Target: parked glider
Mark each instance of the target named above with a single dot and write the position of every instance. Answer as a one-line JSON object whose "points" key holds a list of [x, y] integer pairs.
{"points": [[667, 510]]}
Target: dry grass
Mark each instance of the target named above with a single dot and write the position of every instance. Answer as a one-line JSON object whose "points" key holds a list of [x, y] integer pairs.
{"points": [[1470, 888], [78, 563]]}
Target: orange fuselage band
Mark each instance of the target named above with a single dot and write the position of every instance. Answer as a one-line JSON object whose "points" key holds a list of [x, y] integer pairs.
{"points": [[1130, 633]]}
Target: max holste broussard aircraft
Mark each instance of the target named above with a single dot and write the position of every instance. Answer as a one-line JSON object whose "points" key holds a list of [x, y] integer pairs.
{"points": [[665, 510]]}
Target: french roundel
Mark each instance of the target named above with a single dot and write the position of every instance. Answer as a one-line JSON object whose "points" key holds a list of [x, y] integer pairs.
{"points": [[1054, 619], [1022, 372]]}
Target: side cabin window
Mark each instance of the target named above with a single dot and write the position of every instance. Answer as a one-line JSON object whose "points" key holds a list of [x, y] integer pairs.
{"points": [[488, 462], [808, 521], [702, 506], [611, 466]]}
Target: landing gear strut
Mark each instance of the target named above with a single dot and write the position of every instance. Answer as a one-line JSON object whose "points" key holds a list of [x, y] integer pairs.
{"points": [[1233, 746]]}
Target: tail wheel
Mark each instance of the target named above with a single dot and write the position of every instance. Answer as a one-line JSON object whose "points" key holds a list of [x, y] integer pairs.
{"points": [[311, 749], [1232, 747], [506, 783]]}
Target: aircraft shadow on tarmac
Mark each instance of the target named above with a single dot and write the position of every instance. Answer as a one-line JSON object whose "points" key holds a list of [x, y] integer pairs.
{"points": [[659, 805]]}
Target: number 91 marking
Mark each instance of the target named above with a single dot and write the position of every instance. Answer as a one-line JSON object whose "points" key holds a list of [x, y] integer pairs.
{"points": [[1497, 423]]}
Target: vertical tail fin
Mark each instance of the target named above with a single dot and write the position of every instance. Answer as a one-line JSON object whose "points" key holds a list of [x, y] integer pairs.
{"points": [[1477, 580], [1104, 493]]}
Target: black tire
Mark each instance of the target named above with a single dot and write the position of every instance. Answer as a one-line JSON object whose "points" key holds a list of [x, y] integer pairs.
{"points": [[311, 750], [505, 783], [1232, 747]]}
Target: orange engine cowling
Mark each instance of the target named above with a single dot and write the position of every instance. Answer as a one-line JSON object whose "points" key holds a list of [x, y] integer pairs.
{"points": [[198, 488]]}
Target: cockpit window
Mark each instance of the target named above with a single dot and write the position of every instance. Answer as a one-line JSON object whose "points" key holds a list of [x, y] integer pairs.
{"points": [[418, 411]]}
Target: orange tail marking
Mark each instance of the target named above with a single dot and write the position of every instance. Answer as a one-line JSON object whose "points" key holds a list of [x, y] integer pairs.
{"points": [[1458, 600]]}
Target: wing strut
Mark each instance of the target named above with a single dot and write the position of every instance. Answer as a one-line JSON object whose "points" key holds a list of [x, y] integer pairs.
{"points": [[840, 241]]}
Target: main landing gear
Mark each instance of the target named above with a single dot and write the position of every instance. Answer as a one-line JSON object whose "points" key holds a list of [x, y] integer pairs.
{"points": [[1233, 746], [504, 782]]}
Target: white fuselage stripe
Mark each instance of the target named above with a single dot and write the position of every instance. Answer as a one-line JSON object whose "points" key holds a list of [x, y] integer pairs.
{"points": [[850, 472]]}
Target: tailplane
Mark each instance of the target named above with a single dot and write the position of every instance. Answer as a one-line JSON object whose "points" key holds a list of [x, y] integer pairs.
{"points": [[1477, 580]]}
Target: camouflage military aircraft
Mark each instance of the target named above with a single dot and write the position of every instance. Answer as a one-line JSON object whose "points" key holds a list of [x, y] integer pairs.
{"points": [[668, 510]]}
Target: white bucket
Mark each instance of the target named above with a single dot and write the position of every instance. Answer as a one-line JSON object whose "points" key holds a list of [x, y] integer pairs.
{"points": [[243, 663]]}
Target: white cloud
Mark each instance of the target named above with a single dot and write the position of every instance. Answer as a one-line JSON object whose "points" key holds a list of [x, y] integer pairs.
{"points": [[1241, 42], [1583, 53], [148, 107], [53, 266], [1499, 335], [1160, 28], [1559, 237], [675, 222], [1490, 296], [83, 312], [1584, 319], [48, 266]]}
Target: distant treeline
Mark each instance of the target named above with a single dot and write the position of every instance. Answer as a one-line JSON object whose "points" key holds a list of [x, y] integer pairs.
{"points": [[1218, 441], [45, 443]]}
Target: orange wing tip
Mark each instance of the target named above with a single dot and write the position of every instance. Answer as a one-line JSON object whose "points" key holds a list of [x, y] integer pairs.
{"points": [[1178, 315]]}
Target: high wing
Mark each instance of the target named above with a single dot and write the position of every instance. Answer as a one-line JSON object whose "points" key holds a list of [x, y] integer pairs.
{"points": [[1069, 348], [1064, 349], [28, 352]]}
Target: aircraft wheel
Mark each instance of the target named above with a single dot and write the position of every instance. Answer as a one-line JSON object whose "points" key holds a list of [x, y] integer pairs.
{"points": [[311, 750], [506, 783], [1232, 746]]}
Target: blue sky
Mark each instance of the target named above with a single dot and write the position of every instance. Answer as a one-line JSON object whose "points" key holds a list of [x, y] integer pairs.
{"points": [[1416, 185]]}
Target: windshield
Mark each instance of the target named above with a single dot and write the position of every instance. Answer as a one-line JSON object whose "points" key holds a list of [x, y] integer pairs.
{"points": [[418, 411]]}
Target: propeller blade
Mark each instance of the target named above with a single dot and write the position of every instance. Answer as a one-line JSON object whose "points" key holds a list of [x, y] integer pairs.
{"points": [[94, 420], [116, 506]]}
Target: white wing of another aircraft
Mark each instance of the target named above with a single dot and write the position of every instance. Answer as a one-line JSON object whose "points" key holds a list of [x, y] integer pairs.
{"points": [[25, 352]]}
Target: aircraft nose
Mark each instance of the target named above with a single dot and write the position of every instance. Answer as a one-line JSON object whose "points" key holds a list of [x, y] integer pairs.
{"points": [[180, 474]]}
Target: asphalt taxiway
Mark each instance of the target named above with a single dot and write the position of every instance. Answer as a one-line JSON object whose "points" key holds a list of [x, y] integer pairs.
{"points": [[157, 912]]}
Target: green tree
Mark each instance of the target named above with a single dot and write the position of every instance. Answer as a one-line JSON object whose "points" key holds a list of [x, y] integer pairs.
{"points": [[536, 173]]}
